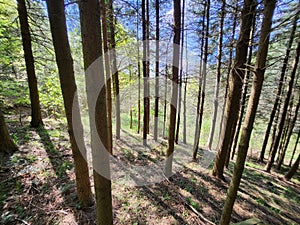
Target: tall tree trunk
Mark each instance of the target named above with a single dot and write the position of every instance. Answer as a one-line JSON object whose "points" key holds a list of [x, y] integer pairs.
{"points": [[68, 86], [6, 143], [180, 74], [232, 41], [218, 75], [107, 71], [279, 88], [289, 134], [115, 72], [285, 107], [259, 71], [175, 68], [235, 88], [295, 148], [185, 89], [165, 101], [36, 116], [156, 72], [93, 65], [293, 169], [145, 70], [244, 96], [202, 82], [139, 70]]}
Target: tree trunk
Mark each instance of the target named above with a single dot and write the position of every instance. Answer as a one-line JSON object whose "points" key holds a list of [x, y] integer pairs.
{"points": [[285, 107], [107, 71], [218, 75], [156, 72], [139, 71], [185, 88], [92, 55], [295, 148], [235, 88], [68, 86], [259, 71], [202, 82], [289, 134], [6, 143], [244, 96], [279, 89], [115, 72], [36, 116], [173, 105], [180, 74], [232, 38], [293, 169]]}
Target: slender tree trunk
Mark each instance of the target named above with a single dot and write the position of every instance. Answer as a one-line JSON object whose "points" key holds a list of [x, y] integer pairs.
{"points": [[175, 70], [6, 143], [107, 71], [180, 74], [259, 71], [293, 122], [36, 116], [115, 72], [293, 169], [218, 75], [244, 96], [93, 65], [202, 80], [295, 148], [68, 86], [185, 89], [235, 88], [139, 71], [285, 107], [148, 65], [229, 66], [156, 72], [130, 110], [165, 101], [279, 88]]}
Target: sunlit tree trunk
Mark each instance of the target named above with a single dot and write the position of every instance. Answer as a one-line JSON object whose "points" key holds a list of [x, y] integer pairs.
{"points": [[107, 71], [68, 86], [115, 72], [92, 55], [6, 143], [235, 88], [244, 96], [285, 108], [279, 88], [218, 75], [138, 70], [175, 70], [258, 77], [36, 116]]}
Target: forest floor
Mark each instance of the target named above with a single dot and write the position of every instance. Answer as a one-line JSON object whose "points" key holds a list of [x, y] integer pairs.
{"points": [[37, 187]]}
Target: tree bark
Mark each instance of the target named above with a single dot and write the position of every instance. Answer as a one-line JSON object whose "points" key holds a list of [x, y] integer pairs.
{"points": [[36, 116], [293, 169], [156, 72], [201, 97], [6, 143], [92, 55], [289, 134], [279, 88], [180, 74], [173, 105], [285, 107], [295, 148], [235, 88], [68, 86], [259, 71], [108, 72], [115, 72], [218, 75], [244, 95]]}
